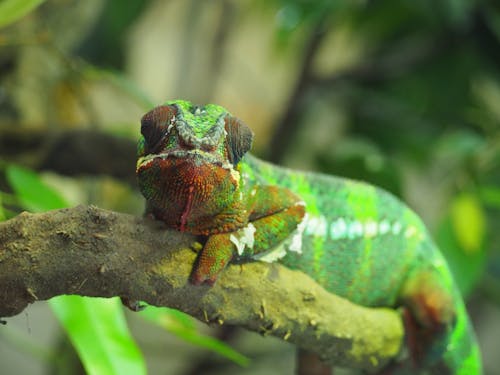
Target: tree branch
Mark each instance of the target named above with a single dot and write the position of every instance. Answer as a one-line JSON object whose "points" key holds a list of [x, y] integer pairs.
{"points": [[93, 252]]}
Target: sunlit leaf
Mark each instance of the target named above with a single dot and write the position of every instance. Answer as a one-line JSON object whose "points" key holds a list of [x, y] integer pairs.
{"points": [[13, 10], [468, 221], [460, 144], [99, 333], [467, 267], [182, 326], [33, 194]]}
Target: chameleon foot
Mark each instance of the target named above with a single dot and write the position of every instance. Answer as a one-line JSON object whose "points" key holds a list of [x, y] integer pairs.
{"points": [[135, 306], [213, 258]]}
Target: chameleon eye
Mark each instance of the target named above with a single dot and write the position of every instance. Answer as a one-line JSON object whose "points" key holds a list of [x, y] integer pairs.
{"points": [[156, 124], [239, 138]]}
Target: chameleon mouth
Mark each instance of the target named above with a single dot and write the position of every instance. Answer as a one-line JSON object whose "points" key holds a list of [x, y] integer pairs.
{"points": [[197, 156]]}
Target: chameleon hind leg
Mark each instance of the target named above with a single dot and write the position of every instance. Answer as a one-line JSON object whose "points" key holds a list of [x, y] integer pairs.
{"points": [[429, 318], [309, 363], [274, 213]]}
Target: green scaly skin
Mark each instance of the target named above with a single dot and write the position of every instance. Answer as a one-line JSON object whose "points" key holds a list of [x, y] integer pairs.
{"points": [[357, 241]]}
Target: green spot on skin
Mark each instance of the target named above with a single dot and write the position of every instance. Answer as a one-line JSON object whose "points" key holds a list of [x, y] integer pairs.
{"points": [[200, 118], [365, 208], [303, 189], [318, 258], [268, 174], [141, 145]]}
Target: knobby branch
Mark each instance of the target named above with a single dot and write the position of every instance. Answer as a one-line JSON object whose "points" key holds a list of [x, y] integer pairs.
{"points": [[93, 252]]}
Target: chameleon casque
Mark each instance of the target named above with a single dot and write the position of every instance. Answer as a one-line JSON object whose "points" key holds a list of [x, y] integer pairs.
{"points": [[354, 239]]}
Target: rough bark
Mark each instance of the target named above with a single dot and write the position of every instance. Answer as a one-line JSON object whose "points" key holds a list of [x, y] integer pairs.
{"points": [[94, 252]]}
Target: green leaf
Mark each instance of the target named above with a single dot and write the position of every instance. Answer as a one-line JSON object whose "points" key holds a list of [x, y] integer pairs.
{"points": [[12, 10], [468, 221], [33, 194], [183, 327], [99, 333], [466, 266]]}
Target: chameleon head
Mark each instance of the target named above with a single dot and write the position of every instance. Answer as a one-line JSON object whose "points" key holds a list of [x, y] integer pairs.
{"points": [[186, 161]]}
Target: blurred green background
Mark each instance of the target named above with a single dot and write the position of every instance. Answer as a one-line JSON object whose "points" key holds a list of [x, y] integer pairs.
{"points": [[403, 94]]}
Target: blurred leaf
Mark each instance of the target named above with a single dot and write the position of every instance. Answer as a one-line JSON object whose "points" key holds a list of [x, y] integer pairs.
{"points": [[360, 159], [33, 194], [183, 327], [468, 221], [294, 15], [492, 16], [99, 333], [105, 44], [490, 195], [289, 17], [121, 82], [460, 144], [466, 268], [12, 10], [486, 90], [2, 213], [458, 11]]}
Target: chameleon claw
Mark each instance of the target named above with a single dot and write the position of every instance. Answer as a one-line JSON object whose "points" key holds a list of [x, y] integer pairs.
{"points": [[133, 305], [198, 278], [212, 259]]}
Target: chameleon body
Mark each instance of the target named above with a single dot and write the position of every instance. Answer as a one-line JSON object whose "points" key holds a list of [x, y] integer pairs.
{"points": [[354, 239]]}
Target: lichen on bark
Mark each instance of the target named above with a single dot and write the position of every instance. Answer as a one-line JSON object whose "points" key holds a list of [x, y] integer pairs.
{"points": [[93, 252]]}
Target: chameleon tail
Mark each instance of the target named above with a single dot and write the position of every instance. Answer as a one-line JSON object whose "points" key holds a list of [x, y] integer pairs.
{"points": [[462, 354], [440, 335]]}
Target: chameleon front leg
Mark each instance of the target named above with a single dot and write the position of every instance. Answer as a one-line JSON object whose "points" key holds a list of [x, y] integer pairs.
{"points": [[273, 216]]}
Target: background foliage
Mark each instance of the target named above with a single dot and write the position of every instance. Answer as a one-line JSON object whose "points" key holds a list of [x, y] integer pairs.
{"points": [[399, 93]]}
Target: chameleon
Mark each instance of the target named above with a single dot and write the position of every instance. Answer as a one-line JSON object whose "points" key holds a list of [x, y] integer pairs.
{"points": [[356, 240]]}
